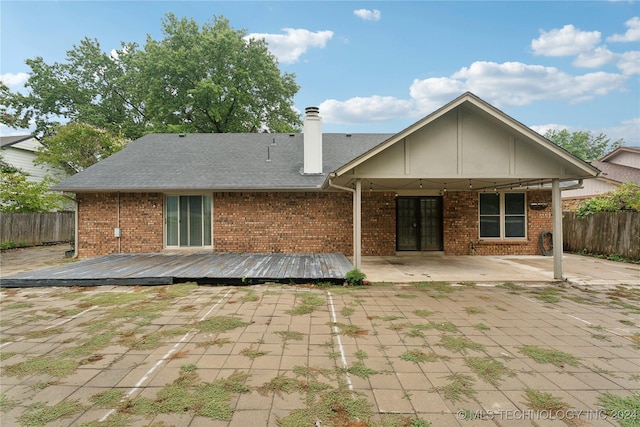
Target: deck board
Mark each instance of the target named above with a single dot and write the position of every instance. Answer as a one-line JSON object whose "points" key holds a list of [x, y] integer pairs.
{"points": [[203, 267]]}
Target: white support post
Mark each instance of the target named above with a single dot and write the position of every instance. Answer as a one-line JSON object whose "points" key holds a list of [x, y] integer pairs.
{"points": [[357, 221], [556, 203]]}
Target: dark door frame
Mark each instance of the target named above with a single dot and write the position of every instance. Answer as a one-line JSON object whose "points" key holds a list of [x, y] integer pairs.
{"points": [[418, 216]]}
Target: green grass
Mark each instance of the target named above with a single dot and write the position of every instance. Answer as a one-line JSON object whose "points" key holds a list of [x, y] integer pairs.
{"points": [[459, 344], [282, 384], [423, 313], [543, 401], [474, 310], [188, 394], [418, 356], [289, 336], [41, 365], [107, 399], [347, 311], [510, 286], [625, 410], [360, 370], [252, 353], [349, 330], [90, 345], [6, 404], [459, 387], [40, 415], [554, 357], [489, 369], [104, 299], [221, 324], [17, 305], [481, 327]]}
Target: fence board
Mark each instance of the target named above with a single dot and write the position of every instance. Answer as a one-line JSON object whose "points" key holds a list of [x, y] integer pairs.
{"points": [[36, 228], [606, 233]]}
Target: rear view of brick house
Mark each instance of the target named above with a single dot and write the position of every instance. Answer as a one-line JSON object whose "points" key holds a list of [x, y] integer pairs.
{"points": [[467, 179]]}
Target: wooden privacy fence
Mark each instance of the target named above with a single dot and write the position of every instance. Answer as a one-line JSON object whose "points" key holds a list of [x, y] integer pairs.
{"points": [[606, 233], [35, 228]]}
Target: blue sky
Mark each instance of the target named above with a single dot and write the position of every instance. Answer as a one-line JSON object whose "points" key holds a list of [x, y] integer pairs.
{"points": [[375, 66]]}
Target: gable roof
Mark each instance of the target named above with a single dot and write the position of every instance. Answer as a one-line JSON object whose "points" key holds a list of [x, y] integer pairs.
{"points": [[7, 141], [222, 161], [619, 150], [474, 103], [617, 173]]}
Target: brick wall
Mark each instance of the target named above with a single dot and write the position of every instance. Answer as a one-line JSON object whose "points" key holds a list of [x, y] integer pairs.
{"points": [[378, 224], [460, 212], [141, 223]]}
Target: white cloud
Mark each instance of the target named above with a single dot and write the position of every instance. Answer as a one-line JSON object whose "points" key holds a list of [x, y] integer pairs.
{"points": [[595, 58], [14, 80], [565, 42], [542, 129], [290, 46], [629, 63], [368, 15], [368, 109], [506, 84], [632, 34], [629, 130]]}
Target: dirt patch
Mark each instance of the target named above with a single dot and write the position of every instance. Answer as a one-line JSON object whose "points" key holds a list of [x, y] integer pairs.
{"points": [[14, 261]]}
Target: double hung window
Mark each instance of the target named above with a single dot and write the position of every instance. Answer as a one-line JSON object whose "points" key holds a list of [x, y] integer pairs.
{"points": [[502, 215]]}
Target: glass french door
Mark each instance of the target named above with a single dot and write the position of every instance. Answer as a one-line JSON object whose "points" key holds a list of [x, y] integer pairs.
{"points": [[419, 224], [188, 221]]}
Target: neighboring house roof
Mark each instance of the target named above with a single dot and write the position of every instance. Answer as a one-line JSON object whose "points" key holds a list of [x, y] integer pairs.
{"points": [[7, 141], [221, 161], [617, 151], [617, 173]]}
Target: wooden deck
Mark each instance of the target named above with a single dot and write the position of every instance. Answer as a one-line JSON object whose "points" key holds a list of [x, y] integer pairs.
{"points": [[204, 268]]}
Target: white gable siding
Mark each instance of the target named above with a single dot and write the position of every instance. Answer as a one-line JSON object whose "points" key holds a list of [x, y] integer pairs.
{"points": [[591, 188], [626, 158]]}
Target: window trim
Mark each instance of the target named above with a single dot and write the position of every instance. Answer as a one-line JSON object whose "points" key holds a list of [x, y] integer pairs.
{"points": [[503, 216], [165, 221]]}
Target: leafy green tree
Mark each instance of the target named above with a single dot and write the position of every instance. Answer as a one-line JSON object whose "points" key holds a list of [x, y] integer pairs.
{"points": [[196, 79], [625, 198], [583, 144], [76, 146], [18, 194]]}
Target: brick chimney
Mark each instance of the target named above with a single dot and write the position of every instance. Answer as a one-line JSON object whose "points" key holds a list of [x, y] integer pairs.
{"points": [[312, 141]]}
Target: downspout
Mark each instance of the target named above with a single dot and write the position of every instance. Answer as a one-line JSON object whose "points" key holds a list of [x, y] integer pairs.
{"points": [[356, 255], [119, 232], [573, 187], [75, 224]]}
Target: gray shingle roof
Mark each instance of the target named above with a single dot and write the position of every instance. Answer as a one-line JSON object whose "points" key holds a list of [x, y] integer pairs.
{"points": [[617, 173], [223, 161], [6, 141]]}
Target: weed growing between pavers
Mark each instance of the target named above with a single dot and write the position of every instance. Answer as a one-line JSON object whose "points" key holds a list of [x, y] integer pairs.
{"points": [[218, 341], [188, 394], [347, 311], [250, 295], [107, 399], [289, 335], [359, 370], [460, 386], [7, 404], [543, 401], [407, 296], [6, 355], [474, 310], [554, 357], [38, 414], [41, 365], [423, 313], [625, 410], [349, 330], [361, 355], [253, 353], [179, 290], [221, 324], [512, 287], [481, 327], [308, 304], [419, 356], [548, 294], [459, 344], [489, 369], [90, 345], [17, 305]]}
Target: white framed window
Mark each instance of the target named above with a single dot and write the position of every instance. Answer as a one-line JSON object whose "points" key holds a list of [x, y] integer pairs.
{"points": [[503, 215], [188, 221]]}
